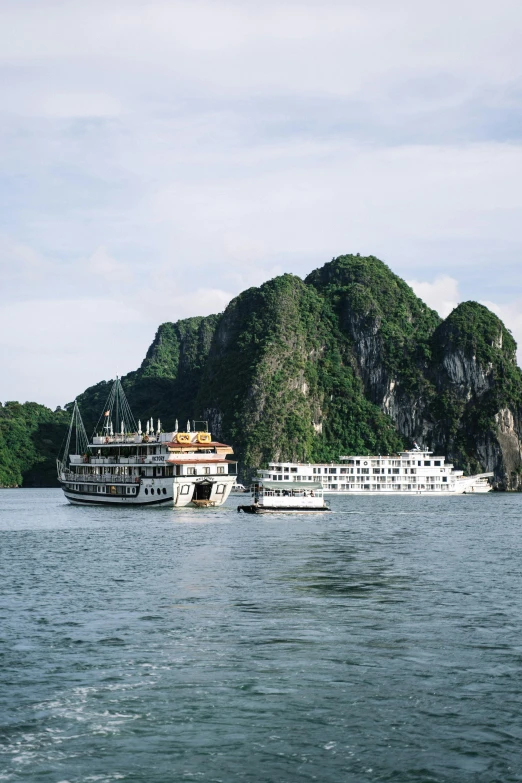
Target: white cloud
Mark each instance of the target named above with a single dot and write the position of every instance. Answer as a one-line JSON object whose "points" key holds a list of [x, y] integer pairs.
{"points": [[327, 47], [60, 104], [173, 300], [52, 350], [441, 295], [106, 268], [166, 155], [76, 104], [19, 261], [350, 197]]}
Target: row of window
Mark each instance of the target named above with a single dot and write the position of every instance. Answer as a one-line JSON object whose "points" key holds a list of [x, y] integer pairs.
{"points": [[102, 490], [398, 480], [157, 471], [364, 472], [381, 487], [393, 473], [396, 463], [203, 471]]}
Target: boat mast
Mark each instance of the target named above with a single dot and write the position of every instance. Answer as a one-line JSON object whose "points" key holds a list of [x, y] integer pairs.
{"points": [[116, 417], [81, 441]]}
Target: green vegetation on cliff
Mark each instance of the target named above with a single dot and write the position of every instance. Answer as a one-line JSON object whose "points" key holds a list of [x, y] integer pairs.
{"points": [[373, 305], [169, 378], [280, 367], [478, 378], [479, 333], [30, 437], [347, 361]]}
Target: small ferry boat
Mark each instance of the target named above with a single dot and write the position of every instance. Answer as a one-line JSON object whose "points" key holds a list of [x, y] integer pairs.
{"points": [[123, 465], [269, 497], [414, 472]]}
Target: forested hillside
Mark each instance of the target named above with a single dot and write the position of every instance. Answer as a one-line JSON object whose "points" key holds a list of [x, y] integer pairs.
{"points": [[348, 360], [30, 437]]}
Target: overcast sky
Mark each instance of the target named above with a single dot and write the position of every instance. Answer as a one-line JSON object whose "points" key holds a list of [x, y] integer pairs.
{"points": [[157, 158]]}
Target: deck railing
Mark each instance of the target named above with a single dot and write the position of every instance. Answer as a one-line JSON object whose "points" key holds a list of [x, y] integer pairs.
{"points": [[136, 460], [102, 478]]}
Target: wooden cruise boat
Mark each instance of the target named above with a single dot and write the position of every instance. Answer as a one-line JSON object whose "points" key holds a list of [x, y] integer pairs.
{"points": [[125, 465]]}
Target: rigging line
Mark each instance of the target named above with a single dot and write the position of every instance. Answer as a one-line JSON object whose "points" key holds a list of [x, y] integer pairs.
{"points": [[68, 441], [118, 407], [129, 418], [126, 411], [117, 401], [61, 450], [119, 411], [107, 407], [81, 435], [81, 441]]}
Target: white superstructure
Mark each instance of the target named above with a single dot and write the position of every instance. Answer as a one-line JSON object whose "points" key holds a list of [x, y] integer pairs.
{"points": [[123, 465], [271, 497], [415, 472]]}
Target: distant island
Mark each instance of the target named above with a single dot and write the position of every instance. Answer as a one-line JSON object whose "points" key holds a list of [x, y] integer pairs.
{"points": [[348, 360]]}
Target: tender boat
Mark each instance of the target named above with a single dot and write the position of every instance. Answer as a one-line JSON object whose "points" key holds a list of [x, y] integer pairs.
{"points": [[269, 497], [238, 488], [123, 465]]}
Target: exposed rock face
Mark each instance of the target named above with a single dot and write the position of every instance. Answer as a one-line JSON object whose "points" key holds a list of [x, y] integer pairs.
{"points": [[347, 361], [507, 458], [465, 374], [480, 381]]}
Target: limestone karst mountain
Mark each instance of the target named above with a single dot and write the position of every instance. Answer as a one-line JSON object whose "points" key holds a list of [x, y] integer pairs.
{"points": [[348, 360]]}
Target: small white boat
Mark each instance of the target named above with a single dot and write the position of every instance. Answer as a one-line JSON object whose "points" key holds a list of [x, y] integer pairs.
{"points": [[238, 489], [269, 497]]}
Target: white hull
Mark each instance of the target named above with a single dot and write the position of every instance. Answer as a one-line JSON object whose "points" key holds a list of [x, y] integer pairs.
{"points": [[406, 492], [179, 492], [81, 499], [468, 486]]}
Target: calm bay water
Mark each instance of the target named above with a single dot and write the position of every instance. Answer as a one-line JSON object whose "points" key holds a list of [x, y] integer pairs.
{"points": [[382, 642]]}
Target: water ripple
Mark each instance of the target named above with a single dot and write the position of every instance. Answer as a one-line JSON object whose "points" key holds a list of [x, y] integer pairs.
{"points": [[380, 644]]}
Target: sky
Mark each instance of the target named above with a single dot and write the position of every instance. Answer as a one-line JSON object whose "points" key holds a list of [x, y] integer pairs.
{"points": [[157, 158]]}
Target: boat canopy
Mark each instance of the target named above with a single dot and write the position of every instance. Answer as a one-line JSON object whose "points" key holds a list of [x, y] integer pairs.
{"points": [[289, 485]]}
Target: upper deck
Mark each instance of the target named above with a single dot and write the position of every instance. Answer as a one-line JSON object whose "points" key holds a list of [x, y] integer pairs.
{"points": [[166, 447], [175, 442]]}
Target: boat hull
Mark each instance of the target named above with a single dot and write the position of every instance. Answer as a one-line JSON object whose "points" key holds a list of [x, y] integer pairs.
{"points": [[80, 499], [254, 509], [459, 490], [407, 493], [177, 492]]}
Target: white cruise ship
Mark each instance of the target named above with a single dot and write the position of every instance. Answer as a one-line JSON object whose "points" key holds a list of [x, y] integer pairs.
{"points": [[125, 465], [415, 472]]}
